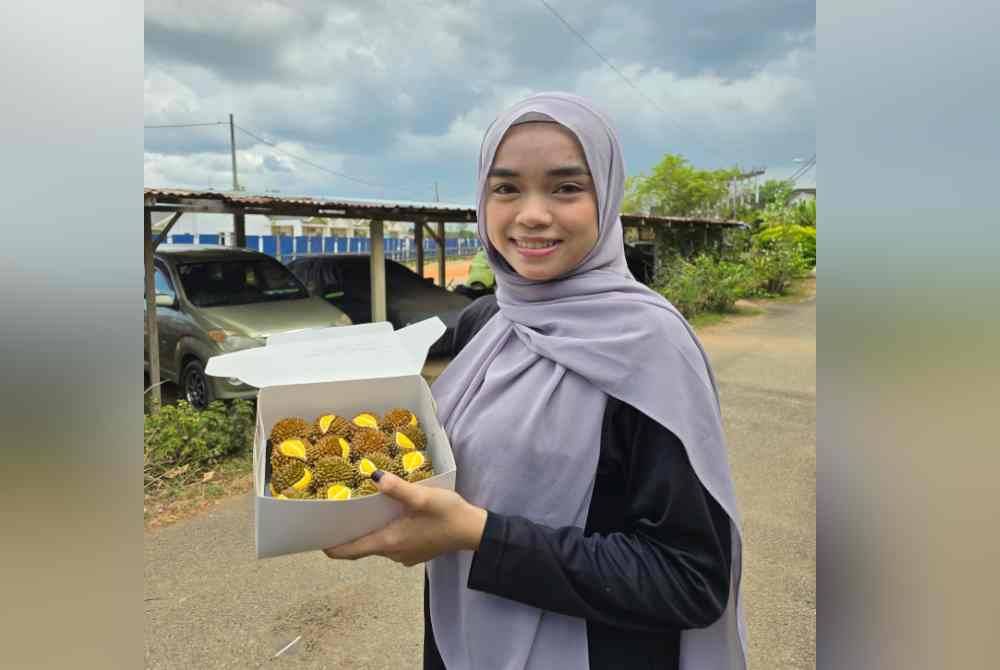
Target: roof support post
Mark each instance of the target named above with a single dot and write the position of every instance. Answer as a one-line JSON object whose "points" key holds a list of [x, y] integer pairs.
{"points": [[441, 254], [418, 239], [239, 229], [377, 271], [152, 332]]}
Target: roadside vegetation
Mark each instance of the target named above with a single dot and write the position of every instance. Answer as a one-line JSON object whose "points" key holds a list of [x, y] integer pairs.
{"points": [[192, 458], [705, 278]]}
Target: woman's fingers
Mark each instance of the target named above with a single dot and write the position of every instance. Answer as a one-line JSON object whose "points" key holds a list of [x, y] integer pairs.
{"points": [[413, 496], [368, 545]]}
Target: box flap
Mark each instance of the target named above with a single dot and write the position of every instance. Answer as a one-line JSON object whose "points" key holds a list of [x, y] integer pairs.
{"points": [[319, 334], [354, 352]]}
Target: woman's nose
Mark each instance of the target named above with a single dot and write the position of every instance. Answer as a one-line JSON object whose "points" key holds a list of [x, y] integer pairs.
{"points": [[534, 212]]}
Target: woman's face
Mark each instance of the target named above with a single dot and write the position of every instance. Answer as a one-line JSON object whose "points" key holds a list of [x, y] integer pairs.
{"points": [[541, 206]]}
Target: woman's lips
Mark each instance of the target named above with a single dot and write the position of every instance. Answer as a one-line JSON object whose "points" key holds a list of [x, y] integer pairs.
{"points": [[538, 252]]}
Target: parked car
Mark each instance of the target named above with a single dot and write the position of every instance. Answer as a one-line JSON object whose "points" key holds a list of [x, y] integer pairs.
{"points": [[214, 300], [345, 281]]}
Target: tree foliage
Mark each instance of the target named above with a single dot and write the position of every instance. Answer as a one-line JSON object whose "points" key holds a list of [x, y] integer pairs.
{"points": [[675, 187]]}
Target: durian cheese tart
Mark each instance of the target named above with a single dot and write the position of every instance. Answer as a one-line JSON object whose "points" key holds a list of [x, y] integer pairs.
{"points": [[398, 418], [290, 427], [366, 420], [413, 461], [381, 461], [409, 438], [335, 492], [331, 424]]}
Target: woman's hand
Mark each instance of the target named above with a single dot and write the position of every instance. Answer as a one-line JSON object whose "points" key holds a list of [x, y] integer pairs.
{"points": [[436, 521]]}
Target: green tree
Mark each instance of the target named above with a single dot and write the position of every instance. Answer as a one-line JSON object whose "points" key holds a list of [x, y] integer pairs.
{"points": [[675, 187], [774, 191]]}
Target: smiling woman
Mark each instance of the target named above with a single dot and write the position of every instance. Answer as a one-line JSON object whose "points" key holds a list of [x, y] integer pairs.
{"points": [[593, 521]]}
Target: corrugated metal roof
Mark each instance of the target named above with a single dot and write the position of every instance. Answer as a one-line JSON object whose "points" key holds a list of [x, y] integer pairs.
{"points": [[240, 199]]}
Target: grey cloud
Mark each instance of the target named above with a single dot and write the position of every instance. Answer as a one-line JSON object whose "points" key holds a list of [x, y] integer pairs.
{"points": [[351, 78]]}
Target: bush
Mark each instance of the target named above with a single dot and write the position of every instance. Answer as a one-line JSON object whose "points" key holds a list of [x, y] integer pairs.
{"points": [[179, 436], [705, 284], [802, 237], [774, 265]]}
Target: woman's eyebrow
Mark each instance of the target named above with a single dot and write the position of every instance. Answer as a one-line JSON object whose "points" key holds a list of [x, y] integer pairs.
{"points": [[561, 171]]}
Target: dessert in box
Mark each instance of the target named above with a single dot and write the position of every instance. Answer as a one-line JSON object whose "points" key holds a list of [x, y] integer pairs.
{"points": [[329, 398]]}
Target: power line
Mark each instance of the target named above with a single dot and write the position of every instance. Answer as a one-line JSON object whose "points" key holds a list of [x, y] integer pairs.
{"points": [[618, 72], [802, 170], [315, 165], [187, 125]]}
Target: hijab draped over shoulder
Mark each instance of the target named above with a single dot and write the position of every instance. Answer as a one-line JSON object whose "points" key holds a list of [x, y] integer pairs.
{"points": [[523, 405]]}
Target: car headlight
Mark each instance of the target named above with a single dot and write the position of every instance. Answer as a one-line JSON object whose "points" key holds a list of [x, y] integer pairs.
{"points": [[230, 341]]}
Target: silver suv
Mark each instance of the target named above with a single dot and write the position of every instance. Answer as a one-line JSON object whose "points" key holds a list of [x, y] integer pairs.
{"points": [[213, 300]]}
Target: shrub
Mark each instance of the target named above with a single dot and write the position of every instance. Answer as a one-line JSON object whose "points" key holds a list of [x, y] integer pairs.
{"points": [[705, 284], [802, 237], [774, 265], [180, 436]]}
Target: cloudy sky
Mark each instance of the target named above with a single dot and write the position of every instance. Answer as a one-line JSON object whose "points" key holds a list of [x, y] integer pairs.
{"points": [[396, 95]]}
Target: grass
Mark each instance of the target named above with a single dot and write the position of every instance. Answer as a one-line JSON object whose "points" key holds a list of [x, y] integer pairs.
{"points": [[707, 319], [184, 497]]}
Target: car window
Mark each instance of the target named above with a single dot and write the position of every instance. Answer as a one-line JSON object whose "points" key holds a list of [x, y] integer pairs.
{"points": [[238, 282], [162, 283]]}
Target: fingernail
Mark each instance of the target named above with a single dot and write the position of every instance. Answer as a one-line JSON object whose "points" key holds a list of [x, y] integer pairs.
{"points": [[377, 475]]}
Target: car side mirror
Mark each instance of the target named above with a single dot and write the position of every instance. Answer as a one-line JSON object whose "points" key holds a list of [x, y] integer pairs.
{"points": [[166, 300]]}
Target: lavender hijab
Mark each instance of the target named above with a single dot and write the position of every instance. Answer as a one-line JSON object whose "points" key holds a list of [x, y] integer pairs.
{"points": [[523, 405]]}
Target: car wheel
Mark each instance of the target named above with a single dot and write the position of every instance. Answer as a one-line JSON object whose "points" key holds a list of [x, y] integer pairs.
{"points": [[197, 388]]}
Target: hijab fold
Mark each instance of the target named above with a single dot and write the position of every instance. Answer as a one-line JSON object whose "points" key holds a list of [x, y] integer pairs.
{"points": [[523, 405]]}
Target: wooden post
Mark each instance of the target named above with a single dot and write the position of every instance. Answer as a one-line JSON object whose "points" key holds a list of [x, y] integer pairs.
{"points": [[441, 253], [152, 332], [240, 229], [377, 272], [418, 239]]}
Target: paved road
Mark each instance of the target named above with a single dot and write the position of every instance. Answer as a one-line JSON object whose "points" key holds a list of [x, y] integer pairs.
{"points": [[210, 604]]}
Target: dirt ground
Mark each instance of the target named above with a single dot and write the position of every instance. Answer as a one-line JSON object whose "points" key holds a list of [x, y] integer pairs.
{"points": [[455, 270]]}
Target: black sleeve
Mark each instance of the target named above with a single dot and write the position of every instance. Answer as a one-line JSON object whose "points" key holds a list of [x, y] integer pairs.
{"points": [[666, 567], [473, 317]]}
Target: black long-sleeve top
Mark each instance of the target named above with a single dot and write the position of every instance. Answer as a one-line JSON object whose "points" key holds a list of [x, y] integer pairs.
{"points": [[652, 560]]}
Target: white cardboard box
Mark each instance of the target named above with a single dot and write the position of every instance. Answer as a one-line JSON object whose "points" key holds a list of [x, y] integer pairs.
{"points": [[345, 370]]}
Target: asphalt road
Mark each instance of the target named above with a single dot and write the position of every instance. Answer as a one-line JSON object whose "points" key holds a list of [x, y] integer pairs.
{"points": [[211, 604]]}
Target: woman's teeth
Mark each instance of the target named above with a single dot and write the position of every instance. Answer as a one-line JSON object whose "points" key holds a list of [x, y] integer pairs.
{"points": [[535, 245]]}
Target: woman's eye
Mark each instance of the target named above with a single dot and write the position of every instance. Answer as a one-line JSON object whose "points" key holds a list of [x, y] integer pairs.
{"points": [[569, 188], [504, 189]]}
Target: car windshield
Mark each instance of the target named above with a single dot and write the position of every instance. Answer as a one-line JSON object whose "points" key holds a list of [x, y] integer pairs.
{"points": [[354, 270], [238, 282]]}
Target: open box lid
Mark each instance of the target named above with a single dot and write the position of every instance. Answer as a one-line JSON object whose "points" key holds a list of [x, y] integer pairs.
{"points": [[338, 353]]}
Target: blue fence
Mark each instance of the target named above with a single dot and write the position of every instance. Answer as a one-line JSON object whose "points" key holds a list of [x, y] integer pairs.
{"points": [[398, 249]]}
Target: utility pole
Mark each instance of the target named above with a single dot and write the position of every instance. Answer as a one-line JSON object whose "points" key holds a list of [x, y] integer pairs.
{"points": [[436, 198], [232, 151], [239, 219]]}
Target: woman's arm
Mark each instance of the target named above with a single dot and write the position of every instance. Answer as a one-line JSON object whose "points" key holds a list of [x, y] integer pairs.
{"points": [[668, 569]]}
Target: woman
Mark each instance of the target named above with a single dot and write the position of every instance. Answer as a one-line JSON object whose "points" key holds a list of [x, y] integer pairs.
{"points": [[593, 522]]}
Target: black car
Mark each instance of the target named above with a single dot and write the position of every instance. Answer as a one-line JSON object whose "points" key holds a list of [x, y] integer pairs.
{"points": [[345, 282]]}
